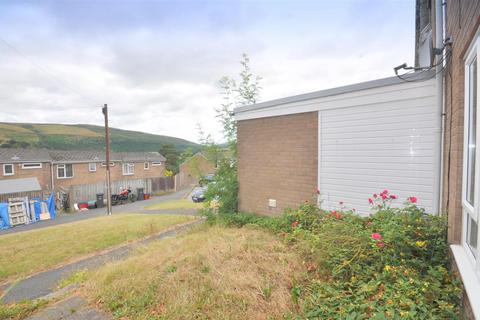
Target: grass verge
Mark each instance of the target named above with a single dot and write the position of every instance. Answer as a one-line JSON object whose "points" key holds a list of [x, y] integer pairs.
{"points": [[210, 273], [21, 310], [175, 204], [32, 251]]}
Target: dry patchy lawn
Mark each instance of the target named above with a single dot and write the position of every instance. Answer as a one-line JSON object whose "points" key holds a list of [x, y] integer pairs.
{"points": [[209, 273], [36, 250], [175, 204]]}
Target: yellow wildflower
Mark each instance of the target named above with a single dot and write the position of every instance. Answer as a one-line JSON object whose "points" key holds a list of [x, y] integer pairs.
{"points": [[387, 268], [420, 244]]}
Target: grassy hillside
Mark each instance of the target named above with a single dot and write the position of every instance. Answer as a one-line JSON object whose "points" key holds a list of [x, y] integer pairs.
{"points": [[82, 137]]}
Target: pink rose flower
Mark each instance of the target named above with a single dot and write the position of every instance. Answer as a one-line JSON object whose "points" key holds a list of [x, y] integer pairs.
{"points": [[412, 199], [393, 197], [380, 244], [376, 236], [370, 200]]}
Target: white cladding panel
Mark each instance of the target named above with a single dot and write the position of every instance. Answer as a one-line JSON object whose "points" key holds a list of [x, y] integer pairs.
{"points": [[390, 145]]}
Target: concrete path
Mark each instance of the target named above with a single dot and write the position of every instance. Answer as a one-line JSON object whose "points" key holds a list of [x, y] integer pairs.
{"points": [[73, 308], [44, 283], [134, 207]]}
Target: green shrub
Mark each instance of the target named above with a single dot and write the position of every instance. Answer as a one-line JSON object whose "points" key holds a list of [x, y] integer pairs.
{"points": [[391, 265], [224, 187]]}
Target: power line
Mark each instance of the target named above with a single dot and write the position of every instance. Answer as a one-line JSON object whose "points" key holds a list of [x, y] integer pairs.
{"points": [[41, 69]]}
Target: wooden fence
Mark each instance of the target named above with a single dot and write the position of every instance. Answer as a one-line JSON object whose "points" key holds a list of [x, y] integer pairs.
{"points": [[88, 192], [32, 194], [161, 184]]}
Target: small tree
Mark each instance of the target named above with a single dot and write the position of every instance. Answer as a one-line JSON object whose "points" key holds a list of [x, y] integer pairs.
{"points": [[170, 152], [235, 93]]}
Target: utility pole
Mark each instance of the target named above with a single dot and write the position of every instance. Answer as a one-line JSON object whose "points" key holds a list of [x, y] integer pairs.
{"points": [[107, 158]]}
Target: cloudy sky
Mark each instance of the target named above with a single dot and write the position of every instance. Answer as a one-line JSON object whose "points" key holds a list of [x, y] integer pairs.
{"points": [[157, 63]]}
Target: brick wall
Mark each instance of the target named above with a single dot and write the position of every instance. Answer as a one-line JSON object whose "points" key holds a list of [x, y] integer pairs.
{"points": [[463, 18], [81, 174], [194, 168], [42, 174], [277, 159]]}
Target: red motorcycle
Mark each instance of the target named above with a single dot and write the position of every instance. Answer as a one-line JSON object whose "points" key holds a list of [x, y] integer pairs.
{"points": [[125, 195]]}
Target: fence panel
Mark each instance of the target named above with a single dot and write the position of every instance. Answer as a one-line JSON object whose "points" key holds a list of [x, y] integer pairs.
{"points": [[162, 184], [32, 194], [86, 192]]}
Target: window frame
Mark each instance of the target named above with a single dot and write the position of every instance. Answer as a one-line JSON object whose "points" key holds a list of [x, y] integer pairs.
{"points": [[90, 167], [156, 163], [64, 165], [34, 165], [146, 165], [469, 211], [13, 169], [104, 164], [125, 169]]}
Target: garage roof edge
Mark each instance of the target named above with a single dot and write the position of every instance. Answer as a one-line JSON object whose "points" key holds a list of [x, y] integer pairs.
{"points": [[417, 77]]}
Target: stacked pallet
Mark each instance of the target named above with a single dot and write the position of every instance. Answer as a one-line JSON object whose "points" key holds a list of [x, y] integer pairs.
{"points": [[17, 213]]}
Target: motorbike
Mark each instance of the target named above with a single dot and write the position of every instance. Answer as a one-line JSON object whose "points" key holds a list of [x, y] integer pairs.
{"points": [[124, 196]]}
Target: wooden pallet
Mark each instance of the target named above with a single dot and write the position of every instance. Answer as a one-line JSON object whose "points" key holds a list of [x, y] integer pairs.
{"points": [[17, 213]]}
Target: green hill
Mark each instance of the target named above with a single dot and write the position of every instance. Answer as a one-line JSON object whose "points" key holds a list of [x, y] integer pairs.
{"points": [[82, 137]]}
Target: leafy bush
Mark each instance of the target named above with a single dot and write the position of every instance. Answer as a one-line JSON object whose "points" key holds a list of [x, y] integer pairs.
{"points": [[224, 187], [390, 265]]}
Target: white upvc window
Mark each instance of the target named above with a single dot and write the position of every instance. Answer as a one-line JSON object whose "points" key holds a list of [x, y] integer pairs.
{"points": [[8, 169], [471, 159], [92, 167], [104, 164], [64, 171], [146, 165], [31, 165], [128, 169], [156, 163]]}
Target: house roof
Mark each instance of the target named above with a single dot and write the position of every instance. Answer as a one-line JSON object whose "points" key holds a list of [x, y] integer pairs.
{"points": [[43, 155], [336, 91], [19, 185], [24, 155]]}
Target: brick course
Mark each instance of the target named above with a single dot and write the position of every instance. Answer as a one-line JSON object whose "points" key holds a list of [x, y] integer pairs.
{"points": [[277, 159], [81, 174], [463, 20]]}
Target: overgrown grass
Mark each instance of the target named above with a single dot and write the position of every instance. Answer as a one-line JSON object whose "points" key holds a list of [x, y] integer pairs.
{"points": [[32, 251], [21, 310], [175, 204], [391, 265], [213, 272]]}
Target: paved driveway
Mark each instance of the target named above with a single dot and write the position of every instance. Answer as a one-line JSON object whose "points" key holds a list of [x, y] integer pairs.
{"points": [[134, 207]]}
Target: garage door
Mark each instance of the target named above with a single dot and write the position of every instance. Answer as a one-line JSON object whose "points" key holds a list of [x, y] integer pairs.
{"points": [[391, 145]]}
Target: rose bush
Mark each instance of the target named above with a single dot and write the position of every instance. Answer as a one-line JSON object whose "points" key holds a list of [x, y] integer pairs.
{"points": [[392, 264]]}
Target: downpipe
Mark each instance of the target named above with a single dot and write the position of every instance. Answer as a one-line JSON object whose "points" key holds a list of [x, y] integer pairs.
{"points": [[439, 43]]}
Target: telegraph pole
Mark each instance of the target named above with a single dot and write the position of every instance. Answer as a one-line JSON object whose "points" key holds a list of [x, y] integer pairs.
{"points": [[107, 158]]}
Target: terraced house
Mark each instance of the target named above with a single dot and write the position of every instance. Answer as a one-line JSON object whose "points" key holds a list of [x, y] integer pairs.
{"points": [[59, 171]]}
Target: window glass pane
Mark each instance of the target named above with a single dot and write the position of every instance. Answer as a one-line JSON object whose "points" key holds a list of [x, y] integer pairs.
{"points": [[472, 234], [69, 169], [8, 169], [472, 131], [61, 172]]}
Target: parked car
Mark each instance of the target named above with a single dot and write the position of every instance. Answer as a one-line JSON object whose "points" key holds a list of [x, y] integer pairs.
{"points": [[199, 195], [206, 179]]}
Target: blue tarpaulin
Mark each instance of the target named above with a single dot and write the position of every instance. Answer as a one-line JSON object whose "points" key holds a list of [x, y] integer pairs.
{"points": [[51, 206], [4, 218]]}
